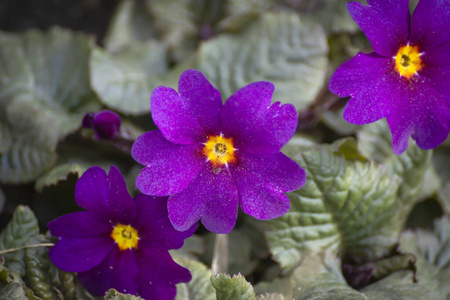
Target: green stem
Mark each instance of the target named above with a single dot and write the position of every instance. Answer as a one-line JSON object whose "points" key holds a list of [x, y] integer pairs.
{"points": [[220, 255], [25, 247]]}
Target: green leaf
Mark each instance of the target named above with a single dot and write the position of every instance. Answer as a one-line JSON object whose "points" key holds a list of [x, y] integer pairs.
{"points": [[278, 47], [22, 227], [2, 200], [199, 288], [432, 252], [59, 173], [348, 206], [272, 296], [44, 92], [441, 161], [124, 80], [13, 291], [112, 294], [232, 288]]}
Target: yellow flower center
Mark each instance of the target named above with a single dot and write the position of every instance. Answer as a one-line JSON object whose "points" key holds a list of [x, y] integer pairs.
{"points": [[125, 236], [219, 150], [408, 61]]}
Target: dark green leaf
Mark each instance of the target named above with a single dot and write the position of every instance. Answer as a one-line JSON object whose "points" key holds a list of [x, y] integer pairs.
{"points": [[112, 294]]}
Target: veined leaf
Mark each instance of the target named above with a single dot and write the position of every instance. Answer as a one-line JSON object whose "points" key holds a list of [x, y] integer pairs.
{"points": [[200, 287], [277, 47], [232, 288], [59, 173], [112, 294]]}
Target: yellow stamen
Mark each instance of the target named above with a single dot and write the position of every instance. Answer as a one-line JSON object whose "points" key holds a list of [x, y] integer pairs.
{"points": [[219, 150], [125, 236], [408, 61]]}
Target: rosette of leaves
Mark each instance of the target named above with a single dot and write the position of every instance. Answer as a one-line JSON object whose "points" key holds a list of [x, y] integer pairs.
{"points": [[44, 94]]}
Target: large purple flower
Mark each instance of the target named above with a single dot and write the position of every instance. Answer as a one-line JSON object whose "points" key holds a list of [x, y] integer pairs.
{"points": [[407, 79], [211, 157], [119, 242]]}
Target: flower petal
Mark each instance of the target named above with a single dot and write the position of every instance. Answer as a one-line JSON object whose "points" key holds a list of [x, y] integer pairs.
{"points": [[262, 181], [80, 254], [170, 167], [119, 271], [430, 26], [384, 22], [154, 226], [372, 83], [105, 196], [105, 124], [437, 68], [211, 197], [192, 114], [159, 274], [81, 224], [254, 125]]}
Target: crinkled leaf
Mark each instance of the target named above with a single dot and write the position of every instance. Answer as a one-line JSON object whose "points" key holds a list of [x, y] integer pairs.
{"points": [[272, 296], [345, 205], [44, 91], [112, 294], [22, 227], [131, 23], [124, 80], [232, 288], [200, 287], [13, 287], [432, 252], [59, 173], [13, 291], [277, 47], [441, 161]]}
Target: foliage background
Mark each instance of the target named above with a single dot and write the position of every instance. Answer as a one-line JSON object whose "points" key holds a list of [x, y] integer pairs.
{"points": [[367, 225]]}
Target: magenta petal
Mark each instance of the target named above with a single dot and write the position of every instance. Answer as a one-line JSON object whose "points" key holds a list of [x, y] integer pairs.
{"points": [[159, 274], [262, 181], [437, 68], [78, 255], [430, 26], [211, 197], [254, 125], [78, 225], [170, 167], [192, 114], [385, 23], [372, 83], [119, 271], [154, 227]]}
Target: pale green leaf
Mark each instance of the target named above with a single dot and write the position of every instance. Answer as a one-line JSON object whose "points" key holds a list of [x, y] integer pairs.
{"points": [[272, 296], [232, 288], [112, 294], [13, 291], [200, 287], [20, 229], [348, 206], [124, 80], [59, 173], [44, 92], [278, 47]]}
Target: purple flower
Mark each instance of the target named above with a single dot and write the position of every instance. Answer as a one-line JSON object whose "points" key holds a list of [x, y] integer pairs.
{"points": [[105, 123], [407, 79], [118, 242], [211, 157]]}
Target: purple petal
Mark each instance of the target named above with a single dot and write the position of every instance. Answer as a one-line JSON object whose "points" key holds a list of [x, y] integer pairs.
{"points": [[401, 126], [159, 274], [430, 26], [154, 227], [119, 271], [170, 167], [80, 254], [254, 125], [106, 124], [105, 196], [437, 68], [212, 196], [385, 23], [262, 180], [82, 224], [372, 83], [192, 114]]}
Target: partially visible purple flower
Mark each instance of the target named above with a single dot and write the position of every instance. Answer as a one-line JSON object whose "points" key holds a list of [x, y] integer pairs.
{"points": [[119, 242], [210, 157], [407, 79], [105, 123]]}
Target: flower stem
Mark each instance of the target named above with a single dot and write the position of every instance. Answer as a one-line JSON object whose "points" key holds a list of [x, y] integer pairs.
{"points": [[220, 255], [25, 247]]}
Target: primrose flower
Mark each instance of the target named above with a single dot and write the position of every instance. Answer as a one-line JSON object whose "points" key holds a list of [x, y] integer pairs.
{"points": [[210, 157], [105, 123], [119, 242], [407, 79]]}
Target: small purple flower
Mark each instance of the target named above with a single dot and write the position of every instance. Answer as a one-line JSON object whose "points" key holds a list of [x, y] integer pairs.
{"points": [[119, 242], [407, 79], [210, 157], [105, 123]]}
